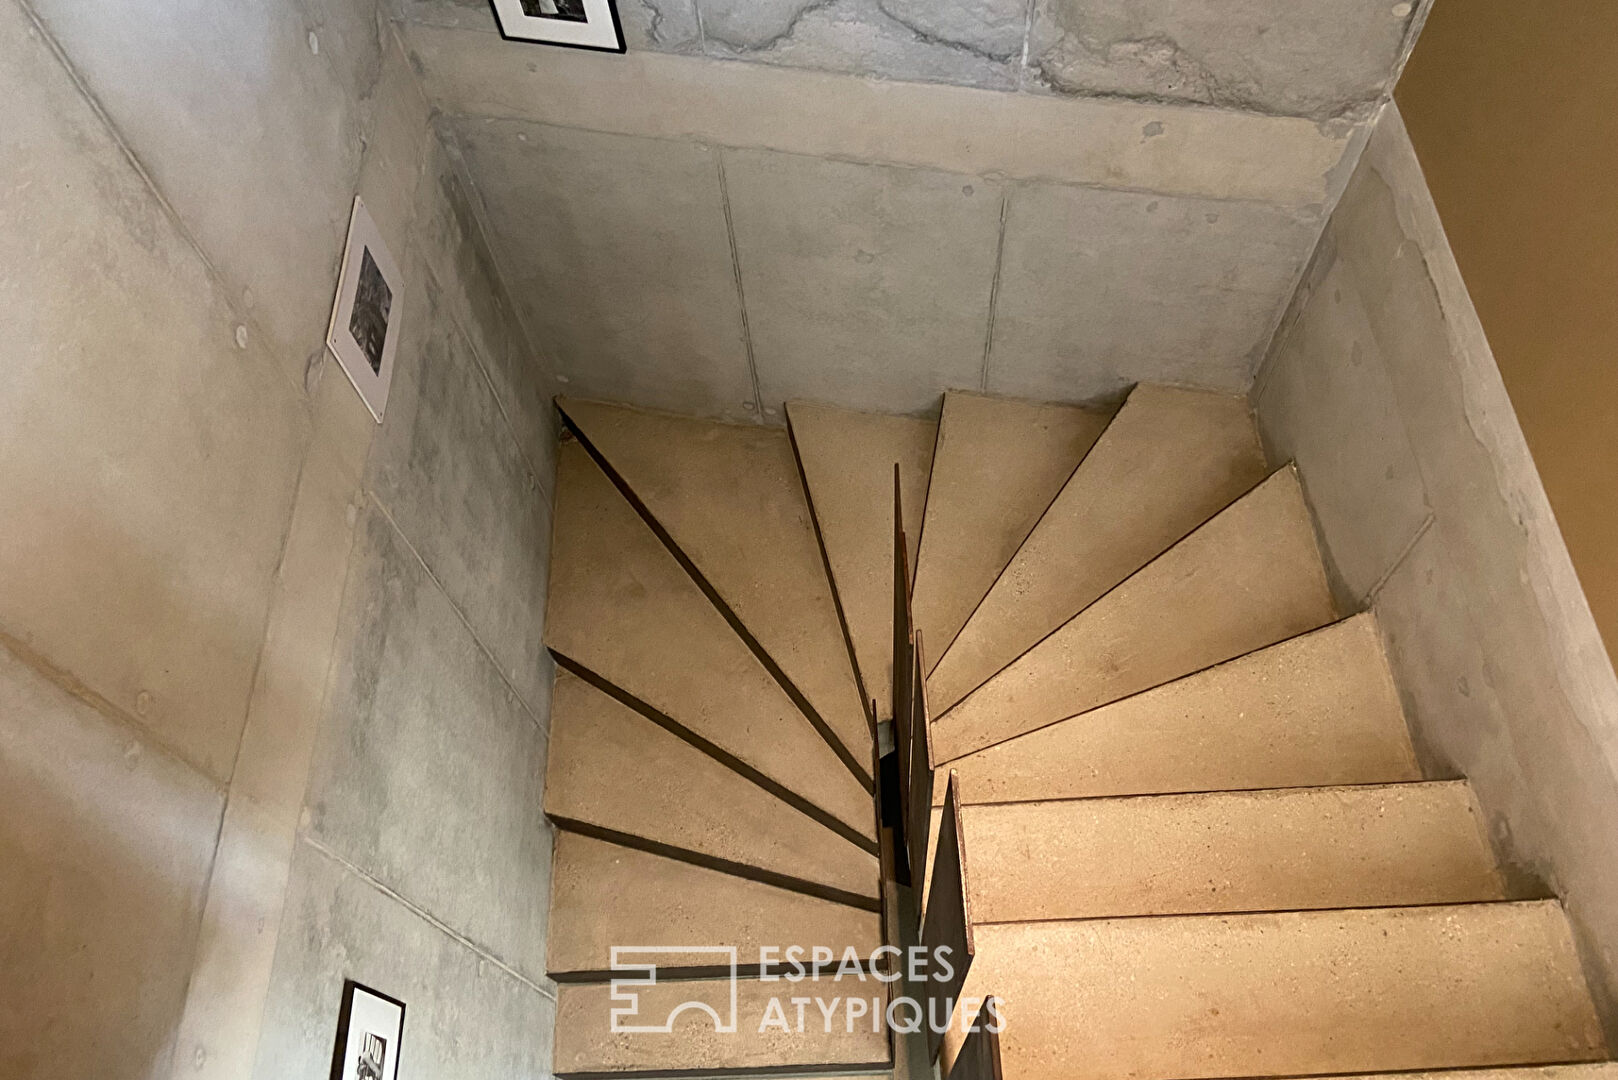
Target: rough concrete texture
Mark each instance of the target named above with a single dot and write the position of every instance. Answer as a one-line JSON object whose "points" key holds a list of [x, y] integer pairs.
{"points": [[106, 842], [1314, 710], [731, 498], [612, 768], [449, 473], [619, 250], [182, 90], [585, 1042], [197, 463], [1492, 643], [252, 863], [471, 290], [1100, 289], [848, 461], [142, 533], [1169, 460], [604, 895], [664, 25], [1324, 60], [416, 712], [1169, 149], [975, 43], [997, 466], [1249, 577], [467, 1016], [1276, 850], [1317, 59], [1288, 994], [621, 606], [830, 248], [859, 277], [411, 191]]}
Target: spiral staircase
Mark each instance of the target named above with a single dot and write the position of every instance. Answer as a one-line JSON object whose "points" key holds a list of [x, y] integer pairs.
{"points": [[1150, 785]]}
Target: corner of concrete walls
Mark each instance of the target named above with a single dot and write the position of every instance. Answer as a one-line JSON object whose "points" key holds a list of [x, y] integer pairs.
{"points": [[1381, 386], [193, 643]]}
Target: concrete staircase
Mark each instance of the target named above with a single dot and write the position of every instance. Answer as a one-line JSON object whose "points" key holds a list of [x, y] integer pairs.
{"points": [[1157, 793]]}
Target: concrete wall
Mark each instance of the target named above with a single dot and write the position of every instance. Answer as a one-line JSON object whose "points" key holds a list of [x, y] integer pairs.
{"points": [[716, 238], [1510, 108], [1323, 60], [272, 701], [1383, 388]]}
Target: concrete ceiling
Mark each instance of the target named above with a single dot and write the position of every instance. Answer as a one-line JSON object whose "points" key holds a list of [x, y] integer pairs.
{"points": [[1042, 198]]}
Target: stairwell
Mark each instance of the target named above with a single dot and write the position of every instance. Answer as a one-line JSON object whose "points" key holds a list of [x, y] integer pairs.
{"points": [[1153, 787]]}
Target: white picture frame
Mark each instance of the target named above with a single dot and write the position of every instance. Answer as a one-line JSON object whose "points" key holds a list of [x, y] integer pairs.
{"points": [[574, 24], [370, 1027], [364, 331]]}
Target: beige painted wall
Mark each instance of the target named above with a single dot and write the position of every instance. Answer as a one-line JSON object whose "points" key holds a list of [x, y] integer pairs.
{"points": [[1513, 110], [269, 674]]}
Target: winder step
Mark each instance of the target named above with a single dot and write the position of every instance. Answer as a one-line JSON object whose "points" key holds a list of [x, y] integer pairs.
{"points": [[847, 459], [605, 895], [998, 465], [1249, 577], [614, 772], [1169, 460], [622, 607], [1314, 710], [731, 499]]}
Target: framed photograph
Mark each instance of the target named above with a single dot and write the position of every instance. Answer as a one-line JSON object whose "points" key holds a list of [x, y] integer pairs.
{"points": [[578, 24], [369, 1028], [364, 330]]}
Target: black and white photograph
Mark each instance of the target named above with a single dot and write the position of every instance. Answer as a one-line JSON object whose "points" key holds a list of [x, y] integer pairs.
{"points": [[371, 1056], [364, 330], [571, 10], [368, 325], [577, 24], [370, 1025]]}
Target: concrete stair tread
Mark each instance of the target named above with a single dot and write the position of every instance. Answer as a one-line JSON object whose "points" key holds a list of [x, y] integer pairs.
{"points": [[1314, 710], [605, 895], [997, 466], [1285, 994], [1167, 462], [1249, 577], [621, 606], [1287, 849], [847, 459], [586, 1045], [730, 497], [612, 769]]}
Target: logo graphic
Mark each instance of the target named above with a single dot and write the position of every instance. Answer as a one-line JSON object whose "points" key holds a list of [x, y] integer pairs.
{"points": [[623, 961]]}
